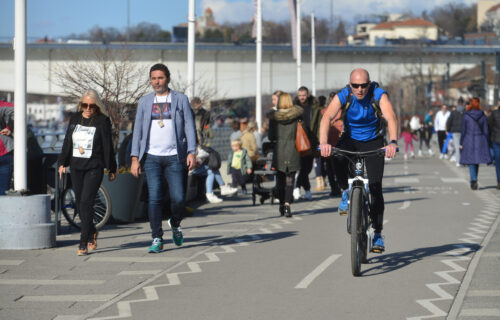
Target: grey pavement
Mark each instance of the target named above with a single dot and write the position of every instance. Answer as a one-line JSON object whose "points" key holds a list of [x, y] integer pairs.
{"points": [[245, 262]]}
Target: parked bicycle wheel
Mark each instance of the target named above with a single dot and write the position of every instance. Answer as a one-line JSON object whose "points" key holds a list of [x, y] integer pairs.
{"points": [[102, 208], [357, 230]]}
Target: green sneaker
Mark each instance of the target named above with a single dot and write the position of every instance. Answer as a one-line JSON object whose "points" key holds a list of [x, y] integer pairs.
{"points": [[157, 246], [176, 234]]}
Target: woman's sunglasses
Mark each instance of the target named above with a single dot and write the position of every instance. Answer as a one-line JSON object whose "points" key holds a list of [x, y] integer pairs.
{"points": [[88, 105], [362, 85]]}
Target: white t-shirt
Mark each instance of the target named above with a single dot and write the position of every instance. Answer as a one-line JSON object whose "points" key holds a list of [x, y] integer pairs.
{"points": [[83, 141], [162, 140]]}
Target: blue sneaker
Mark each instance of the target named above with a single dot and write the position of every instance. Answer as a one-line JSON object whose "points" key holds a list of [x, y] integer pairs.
{"points": [[343, 206], [378, 243], [157, 246], [177, 236]]}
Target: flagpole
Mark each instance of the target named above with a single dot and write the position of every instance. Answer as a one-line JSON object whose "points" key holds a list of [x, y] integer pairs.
{"points": [[299, 44], [313, 54], [258, 97], [190, 58]]}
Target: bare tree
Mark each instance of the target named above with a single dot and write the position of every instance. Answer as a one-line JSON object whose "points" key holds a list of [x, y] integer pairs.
{"points": [[120, 82]]}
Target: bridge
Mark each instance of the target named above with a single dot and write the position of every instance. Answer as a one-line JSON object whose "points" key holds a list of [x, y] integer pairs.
{"points": [[228, 70]]}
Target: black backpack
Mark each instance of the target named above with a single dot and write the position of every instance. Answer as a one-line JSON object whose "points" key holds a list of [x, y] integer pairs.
{"points": [[373, 102], [214, 161]]}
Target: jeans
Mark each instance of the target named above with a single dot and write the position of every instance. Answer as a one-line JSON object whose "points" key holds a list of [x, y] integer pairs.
{"points": [[6, 168], [306, 164], [86, 184], [496, 150], [456, 144], [173, 171], [211, 177], [474, 171]]}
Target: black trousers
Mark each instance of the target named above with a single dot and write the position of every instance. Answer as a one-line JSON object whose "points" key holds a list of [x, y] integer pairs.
{"points": [[441, 139], [374, 171], [284, 185], [306, 165], [239, 179], [86, 184]]}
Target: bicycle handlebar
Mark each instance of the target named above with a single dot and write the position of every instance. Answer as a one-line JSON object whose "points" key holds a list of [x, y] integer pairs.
{"points": [[338, 151]]}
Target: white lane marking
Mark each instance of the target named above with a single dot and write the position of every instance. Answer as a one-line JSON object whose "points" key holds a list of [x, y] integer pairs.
{"points": [[492, 254], [317, 271], [69, 298], [39, 282], [406, 203], [204, 230], [480, 312], [406, 180], [136, 259], [453, 180], [138, 272], [10, 262], [484, 293], [68, 317]]}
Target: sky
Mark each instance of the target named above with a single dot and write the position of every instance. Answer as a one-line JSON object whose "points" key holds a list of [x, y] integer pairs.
{"points": [[59, 18]]}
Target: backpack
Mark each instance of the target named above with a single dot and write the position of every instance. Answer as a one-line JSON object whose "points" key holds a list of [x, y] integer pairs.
{"points": [[214, 161], [373, 102]]}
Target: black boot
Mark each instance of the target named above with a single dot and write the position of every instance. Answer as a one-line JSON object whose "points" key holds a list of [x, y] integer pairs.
{"points": [[473, 185], [282, 209], [288, 211]]}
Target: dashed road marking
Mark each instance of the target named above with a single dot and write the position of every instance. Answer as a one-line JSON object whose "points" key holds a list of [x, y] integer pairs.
{"points": [[10, 262], [136, 259], [39, 282], [317, 271], [69, 298], [138, 272]]}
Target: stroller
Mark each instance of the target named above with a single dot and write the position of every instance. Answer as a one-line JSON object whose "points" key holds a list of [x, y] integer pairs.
{"points": [[263, 182]]}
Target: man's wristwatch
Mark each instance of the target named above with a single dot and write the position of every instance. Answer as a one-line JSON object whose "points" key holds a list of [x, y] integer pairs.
{"points": [[394, 141]]}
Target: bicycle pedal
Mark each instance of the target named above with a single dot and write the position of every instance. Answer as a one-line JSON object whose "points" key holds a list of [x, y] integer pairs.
{"points": [[377, 250]]}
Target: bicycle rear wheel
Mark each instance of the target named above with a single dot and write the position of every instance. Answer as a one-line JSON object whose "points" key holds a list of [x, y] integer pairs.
{"points": [[356, 208], [102, 208]]}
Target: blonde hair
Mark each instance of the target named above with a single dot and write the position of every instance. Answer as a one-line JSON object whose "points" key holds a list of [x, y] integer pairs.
{"points": [[285, 101], [236, 141], [92, 94], [252, 125]]}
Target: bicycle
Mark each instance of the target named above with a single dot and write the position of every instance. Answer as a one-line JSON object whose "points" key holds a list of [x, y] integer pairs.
{"points": [[102, 206], [358, 216]]}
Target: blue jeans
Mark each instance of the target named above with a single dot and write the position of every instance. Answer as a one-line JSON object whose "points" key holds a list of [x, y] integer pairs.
{"points": [[212, 175], [474, 170], [6, 168], [496, 151], [168, 167]]}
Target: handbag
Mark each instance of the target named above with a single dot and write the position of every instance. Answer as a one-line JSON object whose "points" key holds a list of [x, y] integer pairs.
{"points": [[301, 141]]}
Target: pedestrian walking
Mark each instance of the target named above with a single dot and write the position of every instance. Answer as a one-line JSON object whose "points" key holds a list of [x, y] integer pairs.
{"points": [[239, 166], [454, 127], [408, 137], [474, 140], [311, 118], [427, 131], [494, 127], [164, 144], [286, 159], [6, 146], [334, 133], [202, 121], [88, 150], [440, 127], [416, 129], [248, 141]]}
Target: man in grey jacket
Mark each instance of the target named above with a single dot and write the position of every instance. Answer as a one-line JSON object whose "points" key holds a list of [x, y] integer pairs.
{"points": [[164, 142]]}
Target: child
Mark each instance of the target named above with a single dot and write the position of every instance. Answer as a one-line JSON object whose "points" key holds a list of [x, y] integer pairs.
{"points": [[408, 138], [239, 165]]}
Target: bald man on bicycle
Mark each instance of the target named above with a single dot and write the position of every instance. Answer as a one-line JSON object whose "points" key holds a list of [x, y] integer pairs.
{"points": [[364, 108]]}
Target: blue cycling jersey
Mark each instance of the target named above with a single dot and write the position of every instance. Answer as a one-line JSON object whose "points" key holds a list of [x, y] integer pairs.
{"points": [[360, 119]]}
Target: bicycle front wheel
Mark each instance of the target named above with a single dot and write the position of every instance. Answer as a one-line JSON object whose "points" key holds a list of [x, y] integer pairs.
{"points": [[356, 215], [102, 208]]}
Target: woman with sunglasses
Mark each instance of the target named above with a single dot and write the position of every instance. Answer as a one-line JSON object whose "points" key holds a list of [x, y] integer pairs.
{"points": [[87, 150]]}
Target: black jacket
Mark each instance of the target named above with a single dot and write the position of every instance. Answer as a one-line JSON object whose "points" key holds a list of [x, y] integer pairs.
{"points": [[494, 125], [454, 122], [102, 147]]}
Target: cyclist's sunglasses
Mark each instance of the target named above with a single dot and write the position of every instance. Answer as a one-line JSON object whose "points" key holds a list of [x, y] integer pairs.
{"points": [[88, 105], [362, 85]]}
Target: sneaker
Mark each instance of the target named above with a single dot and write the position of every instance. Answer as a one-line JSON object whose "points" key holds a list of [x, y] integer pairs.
{"points": [[412, 154], [212, 198], [92, 245], [344, 206], [430, 152], [82, 251], [227, 190], [419, 153], [378, 243], [176, 234], [453, 159], [308, 195], [406, 156], [296, 193], [442, 156], [157, 246]]}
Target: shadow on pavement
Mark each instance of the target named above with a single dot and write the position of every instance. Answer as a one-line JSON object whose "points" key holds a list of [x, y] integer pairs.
{"points": [[393, 261]]}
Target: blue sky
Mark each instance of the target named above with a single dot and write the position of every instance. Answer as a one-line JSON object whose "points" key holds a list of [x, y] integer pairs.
{"points": [[59, 18]]}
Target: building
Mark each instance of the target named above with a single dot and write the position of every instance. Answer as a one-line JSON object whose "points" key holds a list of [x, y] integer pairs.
{"points": [[408, 30], [483, 6], [206, 22]]}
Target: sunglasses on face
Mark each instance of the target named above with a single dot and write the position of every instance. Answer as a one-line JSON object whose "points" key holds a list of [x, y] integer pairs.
{"points": [[88, 105], [362, 85]]}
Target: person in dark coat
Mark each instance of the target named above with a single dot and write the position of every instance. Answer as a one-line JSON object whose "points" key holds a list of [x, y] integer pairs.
{"points": [[494, 126], [474, 140], [286, 159]]}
